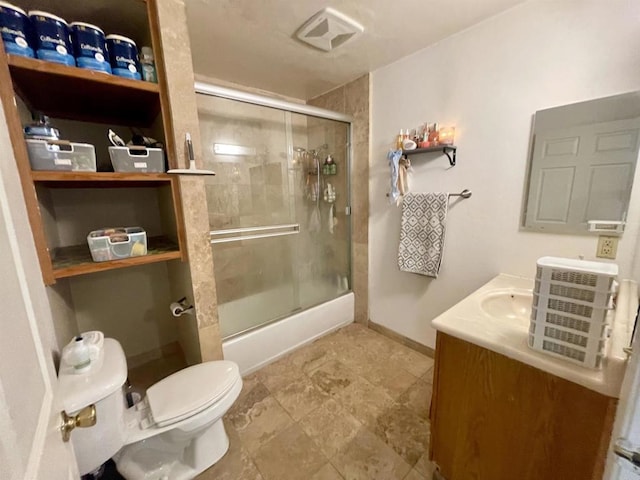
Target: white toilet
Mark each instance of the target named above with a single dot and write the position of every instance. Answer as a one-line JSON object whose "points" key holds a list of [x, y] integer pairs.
{"points": [[174, 433]]}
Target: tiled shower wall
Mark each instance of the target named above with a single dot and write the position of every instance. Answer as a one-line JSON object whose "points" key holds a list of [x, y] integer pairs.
{"points": [[354, 99]]}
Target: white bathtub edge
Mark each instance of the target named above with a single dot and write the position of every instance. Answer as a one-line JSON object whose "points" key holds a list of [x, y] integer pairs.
{"points": [[260, 347]]}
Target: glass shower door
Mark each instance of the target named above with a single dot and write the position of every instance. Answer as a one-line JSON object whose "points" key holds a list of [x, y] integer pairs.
{"points": [[279, 243]]}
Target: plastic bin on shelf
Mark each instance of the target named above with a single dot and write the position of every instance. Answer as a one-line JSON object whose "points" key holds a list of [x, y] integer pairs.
{"points": [[60, 155], [117, 243], [137, 159], [569, 312]]}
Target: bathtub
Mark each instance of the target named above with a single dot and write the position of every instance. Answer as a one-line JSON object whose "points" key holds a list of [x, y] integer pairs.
{"points": [[259, 347]]}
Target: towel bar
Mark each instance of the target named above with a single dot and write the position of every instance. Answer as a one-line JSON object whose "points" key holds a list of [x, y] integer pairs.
{"points": [[466, 193]]}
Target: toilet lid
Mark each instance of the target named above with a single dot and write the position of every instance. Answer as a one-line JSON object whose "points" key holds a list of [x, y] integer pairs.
{"points": [[190, 391]]}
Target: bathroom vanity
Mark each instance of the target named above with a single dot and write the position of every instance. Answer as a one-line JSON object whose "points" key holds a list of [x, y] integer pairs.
{"points": [[502, 411]]}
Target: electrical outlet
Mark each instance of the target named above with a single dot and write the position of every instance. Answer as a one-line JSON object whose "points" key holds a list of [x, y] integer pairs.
{"points": [[607, 247]]}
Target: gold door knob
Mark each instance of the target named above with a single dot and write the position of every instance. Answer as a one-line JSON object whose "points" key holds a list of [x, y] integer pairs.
{"points": [[85, 418]]}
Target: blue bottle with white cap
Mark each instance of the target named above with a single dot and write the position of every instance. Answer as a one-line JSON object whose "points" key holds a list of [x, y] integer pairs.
{"points": [[90, 47], [124, 57], [52, 39], [15, 28]]}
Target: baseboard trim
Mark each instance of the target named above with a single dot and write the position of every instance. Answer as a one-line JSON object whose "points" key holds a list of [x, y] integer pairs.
{"points": [[412, 344]]}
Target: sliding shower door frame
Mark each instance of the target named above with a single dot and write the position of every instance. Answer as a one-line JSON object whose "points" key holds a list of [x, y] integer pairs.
{"points": [[290, 107]]}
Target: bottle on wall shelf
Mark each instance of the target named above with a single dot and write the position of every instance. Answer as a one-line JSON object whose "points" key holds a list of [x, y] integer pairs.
{"points": [[399, 140], [433, 135]]}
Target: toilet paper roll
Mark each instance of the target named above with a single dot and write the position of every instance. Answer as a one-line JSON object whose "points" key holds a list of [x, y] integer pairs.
{"points": [[176, 309]]}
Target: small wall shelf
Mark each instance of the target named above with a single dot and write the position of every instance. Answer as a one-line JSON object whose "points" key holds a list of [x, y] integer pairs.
{"points": [[448, 150]]}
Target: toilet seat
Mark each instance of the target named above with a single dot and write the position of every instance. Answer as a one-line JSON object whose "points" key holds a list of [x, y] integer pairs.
{"points": [[190, 391]]}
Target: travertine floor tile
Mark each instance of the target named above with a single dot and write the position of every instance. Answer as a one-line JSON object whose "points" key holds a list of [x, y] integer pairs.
{"points": [[328, 472], [424, 467], [418, 398], [352, 405], [263, 421], [279, 374], [330, 427], [364, 400], [367, 457], [394, 381], [404, 431], [291, 455], [415, 475], [332, 377], [412, 361], [239, 413], [235, 465], [428, 377], [312, 356], [300, 397]]}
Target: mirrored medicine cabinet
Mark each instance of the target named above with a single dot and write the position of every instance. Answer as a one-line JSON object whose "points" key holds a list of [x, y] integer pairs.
{"points": [[582, 161]]}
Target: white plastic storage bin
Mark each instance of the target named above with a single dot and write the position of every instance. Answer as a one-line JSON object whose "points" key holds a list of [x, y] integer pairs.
{"points": [[117, 243], [137, 159], [576, 273], [61, 155], [569, 312]]}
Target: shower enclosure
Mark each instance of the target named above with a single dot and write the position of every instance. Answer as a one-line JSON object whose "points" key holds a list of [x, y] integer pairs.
{"points": [[278, 206]]}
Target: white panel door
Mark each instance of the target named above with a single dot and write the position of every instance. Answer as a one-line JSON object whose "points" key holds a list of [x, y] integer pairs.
{"points": [[580, 174], [31, 445]]}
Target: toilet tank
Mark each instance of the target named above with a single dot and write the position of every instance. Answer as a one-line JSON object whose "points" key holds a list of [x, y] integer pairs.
{"points": [[101, 385]]}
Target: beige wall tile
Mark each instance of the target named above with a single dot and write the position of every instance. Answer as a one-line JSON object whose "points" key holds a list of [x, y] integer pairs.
{"points": [[180, 78]]}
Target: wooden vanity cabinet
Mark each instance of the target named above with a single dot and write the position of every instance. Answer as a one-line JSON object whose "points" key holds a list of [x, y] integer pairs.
{"points": [[494, 418]]}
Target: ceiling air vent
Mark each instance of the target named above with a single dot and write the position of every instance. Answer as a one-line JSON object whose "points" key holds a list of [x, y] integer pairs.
{"points": [[328, 29]]}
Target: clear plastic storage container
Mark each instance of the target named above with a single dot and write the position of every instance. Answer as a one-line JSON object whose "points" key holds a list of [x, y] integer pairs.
{"points": [[137, 159], [117, 243], [61, 155]]}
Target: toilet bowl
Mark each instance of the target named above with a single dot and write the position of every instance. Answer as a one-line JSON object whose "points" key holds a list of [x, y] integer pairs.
{"points": [[175, 432]]}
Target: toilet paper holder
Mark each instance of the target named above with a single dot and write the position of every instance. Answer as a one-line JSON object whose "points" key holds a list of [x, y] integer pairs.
{"points": [[180, 308]]}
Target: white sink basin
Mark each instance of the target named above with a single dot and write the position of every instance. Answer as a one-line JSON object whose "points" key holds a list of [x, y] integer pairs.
{"points": [[497, 316], [508, 304]]}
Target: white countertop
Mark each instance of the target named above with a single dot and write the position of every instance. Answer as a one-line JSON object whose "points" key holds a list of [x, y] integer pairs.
{"points": [[467, 321]]}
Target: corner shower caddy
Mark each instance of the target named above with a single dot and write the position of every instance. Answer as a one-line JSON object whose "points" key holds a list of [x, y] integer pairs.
{"points": [[448, 150]]}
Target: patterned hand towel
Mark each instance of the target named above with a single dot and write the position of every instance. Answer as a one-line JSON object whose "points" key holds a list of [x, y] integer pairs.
{"points": [[422, 233]]}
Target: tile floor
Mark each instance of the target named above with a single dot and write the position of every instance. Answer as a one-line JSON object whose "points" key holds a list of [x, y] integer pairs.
{"points": [[352, 405]]}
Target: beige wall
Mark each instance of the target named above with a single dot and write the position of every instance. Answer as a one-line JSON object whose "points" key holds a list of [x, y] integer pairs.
{"points": [[354, 99]]}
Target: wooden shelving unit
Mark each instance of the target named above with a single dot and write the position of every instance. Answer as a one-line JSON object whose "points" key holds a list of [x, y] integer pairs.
{"points": [[100, 179], [76, 259], [80, 95]]}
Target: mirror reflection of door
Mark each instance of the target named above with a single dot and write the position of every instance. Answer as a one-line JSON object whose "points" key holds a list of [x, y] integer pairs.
{"points": [[580, 174]]}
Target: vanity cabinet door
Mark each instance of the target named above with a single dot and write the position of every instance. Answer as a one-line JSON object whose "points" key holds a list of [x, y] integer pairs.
{"points": [[494, 418]]}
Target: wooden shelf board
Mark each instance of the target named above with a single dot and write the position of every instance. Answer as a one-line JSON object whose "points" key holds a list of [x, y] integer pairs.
{"points": [[76, 260], [99, 179], [74, 93]]}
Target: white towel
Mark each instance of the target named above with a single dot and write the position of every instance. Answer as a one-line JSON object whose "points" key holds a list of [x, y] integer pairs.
{"points": [[422, 233]]}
